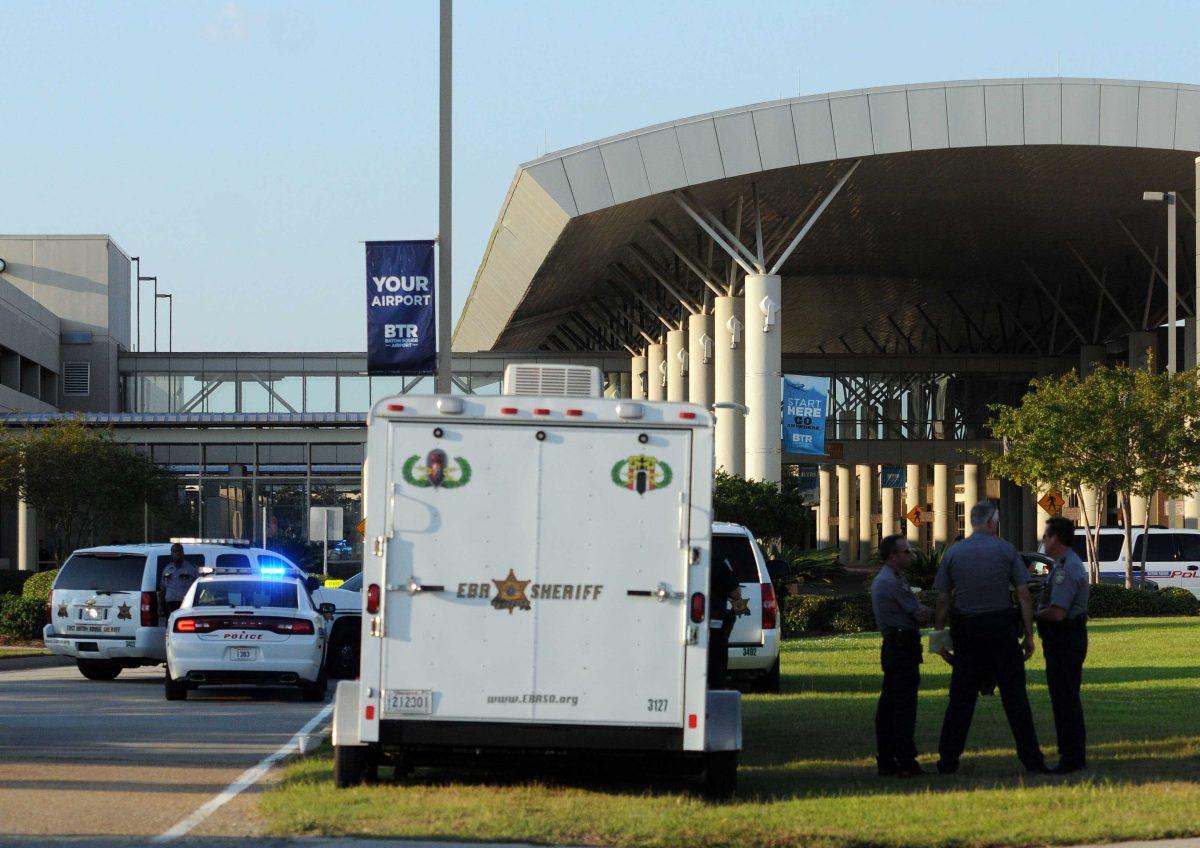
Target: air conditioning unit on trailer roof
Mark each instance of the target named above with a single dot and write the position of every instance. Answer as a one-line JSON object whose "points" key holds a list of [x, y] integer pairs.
{"points": [[553, 380]]}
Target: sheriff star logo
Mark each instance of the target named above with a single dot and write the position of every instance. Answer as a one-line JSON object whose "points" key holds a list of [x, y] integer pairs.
{"points": [[123, 611], [741, 606], [510, 593]]}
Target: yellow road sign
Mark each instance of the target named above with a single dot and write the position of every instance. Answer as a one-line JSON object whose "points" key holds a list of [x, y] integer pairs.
{"points": [[1052, 502], [916, 515]]}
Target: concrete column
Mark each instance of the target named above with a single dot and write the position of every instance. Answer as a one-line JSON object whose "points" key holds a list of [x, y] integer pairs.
{"points": [[1010, 513], [676, 366], [638, 377], [1141, 347], [974, 488], [912, 497], [1189, 343], [728, 379], [825, 482], [764, 371], [1029, 529], [846, 425], [845, 523], [866, 502], [887, 509], [700, 346], [656, 355], [1137, 507], [1191, 512], [1089, 357], [943, 505], [27, 537]]}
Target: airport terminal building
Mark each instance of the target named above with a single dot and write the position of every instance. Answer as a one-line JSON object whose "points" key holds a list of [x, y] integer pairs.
{"points": [[928, 248]]}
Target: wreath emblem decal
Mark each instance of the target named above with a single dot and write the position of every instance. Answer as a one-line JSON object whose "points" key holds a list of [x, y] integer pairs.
{"points": [[437, 472], [641, 473]]}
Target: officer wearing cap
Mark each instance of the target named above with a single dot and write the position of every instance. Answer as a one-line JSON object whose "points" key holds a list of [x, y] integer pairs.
{"points": [[975, 577], [1062, 624], [899, 616]]}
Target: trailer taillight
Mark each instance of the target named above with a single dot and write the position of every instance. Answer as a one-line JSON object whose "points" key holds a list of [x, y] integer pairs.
{"points": [[149, 609], [574, 413], [687, 416], [373, 598], [541, 410], [395, 407], [769, 607], [697, 611], [508, 410]]}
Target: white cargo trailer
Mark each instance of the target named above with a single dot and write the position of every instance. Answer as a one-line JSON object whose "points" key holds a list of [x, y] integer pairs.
{"points": [[535, 582]]}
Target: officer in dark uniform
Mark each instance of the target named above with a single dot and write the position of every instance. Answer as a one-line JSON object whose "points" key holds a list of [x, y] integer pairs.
{"points": [[723, 586], [976, 574], [1062, 623], [899, 616]]}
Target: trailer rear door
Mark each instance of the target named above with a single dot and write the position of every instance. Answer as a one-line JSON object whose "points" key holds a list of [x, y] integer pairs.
{"points": [[552, 569]]}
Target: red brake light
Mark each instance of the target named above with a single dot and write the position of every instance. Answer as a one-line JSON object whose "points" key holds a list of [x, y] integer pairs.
{"points": [[185, 625], [769, 608], [373, 598], [49, 620], [692, 721], [299, 627], [149, 609], [697, 607], [370, 712]]}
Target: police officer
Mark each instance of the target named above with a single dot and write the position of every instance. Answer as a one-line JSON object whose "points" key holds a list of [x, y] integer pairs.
{"points": [[899, 616], [723, 586], [177, 578], [976, 575], [1062, 624]]}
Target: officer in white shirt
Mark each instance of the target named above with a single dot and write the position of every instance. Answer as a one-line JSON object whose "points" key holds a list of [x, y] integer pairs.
{"points": [[177, 578]]}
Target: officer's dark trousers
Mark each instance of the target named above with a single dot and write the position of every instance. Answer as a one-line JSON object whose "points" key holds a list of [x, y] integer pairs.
{"points": [[718, 655], [988, 645], [1065, 646], [896, 715]]}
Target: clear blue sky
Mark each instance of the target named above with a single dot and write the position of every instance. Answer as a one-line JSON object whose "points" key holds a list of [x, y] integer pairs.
{"points": [[245, 149]]}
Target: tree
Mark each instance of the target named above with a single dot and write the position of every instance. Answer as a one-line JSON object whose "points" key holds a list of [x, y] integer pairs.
{"points": [[1132, 431], [775, 514], [85, 487]]}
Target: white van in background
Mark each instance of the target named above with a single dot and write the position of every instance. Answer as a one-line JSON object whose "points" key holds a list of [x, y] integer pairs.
{"points": [[1172, 558]]}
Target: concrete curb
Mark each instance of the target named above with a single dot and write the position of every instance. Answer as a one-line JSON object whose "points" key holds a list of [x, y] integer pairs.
{"points": [[23, 663]]}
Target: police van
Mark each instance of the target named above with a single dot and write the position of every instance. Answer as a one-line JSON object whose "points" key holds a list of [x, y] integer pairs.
{"points": [[535, 582], [1172, 556]]}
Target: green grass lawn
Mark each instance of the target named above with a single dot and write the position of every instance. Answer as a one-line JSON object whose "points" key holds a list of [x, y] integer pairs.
{"points": [[807, 774], [17, 653]]}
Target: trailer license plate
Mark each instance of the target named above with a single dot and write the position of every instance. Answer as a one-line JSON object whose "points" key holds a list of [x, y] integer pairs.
{"points": [[408, 701]]}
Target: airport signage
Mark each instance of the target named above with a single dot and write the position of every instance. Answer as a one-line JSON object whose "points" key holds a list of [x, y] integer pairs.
{"points": [[401, 311], [805, 405]]}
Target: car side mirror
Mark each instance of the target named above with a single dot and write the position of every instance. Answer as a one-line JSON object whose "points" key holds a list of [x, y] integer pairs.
{"points": [[778, 570], [326, 610]]}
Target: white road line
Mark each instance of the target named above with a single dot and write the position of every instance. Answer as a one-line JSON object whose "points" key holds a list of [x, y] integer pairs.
{"points": [[244, 781]]}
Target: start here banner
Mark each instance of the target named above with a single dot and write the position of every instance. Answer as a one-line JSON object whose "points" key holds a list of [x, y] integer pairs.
{"points": [[805, 405], [401, 310]]}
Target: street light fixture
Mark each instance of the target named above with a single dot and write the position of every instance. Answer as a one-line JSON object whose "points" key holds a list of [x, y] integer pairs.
{"points": [[1168, 197], [170, 321]]}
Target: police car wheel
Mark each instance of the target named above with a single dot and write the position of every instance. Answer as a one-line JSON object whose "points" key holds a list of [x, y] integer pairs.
{"points": [[770, 681], [343, 651], [315, 691], [720, 775], [174, 690], [349, 765], [99, 669]]}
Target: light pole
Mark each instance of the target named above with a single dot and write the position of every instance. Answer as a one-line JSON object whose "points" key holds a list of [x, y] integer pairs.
{"points": [[141, 280], [170, 321], [1168, 197]]}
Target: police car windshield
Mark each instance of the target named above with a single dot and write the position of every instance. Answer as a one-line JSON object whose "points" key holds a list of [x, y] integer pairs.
{"points": [[102, 573], [354, 584], [245, 593]]}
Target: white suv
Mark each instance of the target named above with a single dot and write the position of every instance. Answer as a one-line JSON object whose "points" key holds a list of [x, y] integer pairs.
{"points": [[754, 641], [1172, 559], [105, 611]]}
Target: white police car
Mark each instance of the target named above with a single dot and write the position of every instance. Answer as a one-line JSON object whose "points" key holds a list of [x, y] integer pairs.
{"points": [[245, 626], [754, 640]]}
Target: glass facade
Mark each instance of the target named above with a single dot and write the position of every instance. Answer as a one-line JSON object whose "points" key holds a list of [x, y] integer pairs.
{"points": [[262, 492]]}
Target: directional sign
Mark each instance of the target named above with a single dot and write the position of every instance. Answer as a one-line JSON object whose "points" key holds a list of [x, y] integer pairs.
{"points": [[1052, 502], [916, 515]]}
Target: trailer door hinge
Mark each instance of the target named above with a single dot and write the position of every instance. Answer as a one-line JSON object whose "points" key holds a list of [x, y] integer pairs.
{"points": [[378, 546]]}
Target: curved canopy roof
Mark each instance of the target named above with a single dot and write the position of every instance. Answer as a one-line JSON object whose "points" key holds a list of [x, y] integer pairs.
{"points": [[975, 208]]}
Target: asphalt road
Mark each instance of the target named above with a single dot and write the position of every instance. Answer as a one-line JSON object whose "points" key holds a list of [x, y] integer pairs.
{"points": [[82, 758]]}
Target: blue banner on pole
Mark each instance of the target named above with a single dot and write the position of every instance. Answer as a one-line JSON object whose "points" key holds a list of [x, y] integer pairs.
{"points": [[808, 484], [805, 405], [401, 313], [893, 476]]}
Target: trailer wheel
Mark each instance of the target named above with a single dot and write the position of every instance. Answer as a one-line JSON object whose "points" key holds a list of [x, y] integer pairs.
{"points": [[349, 765], [720, 775]]}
